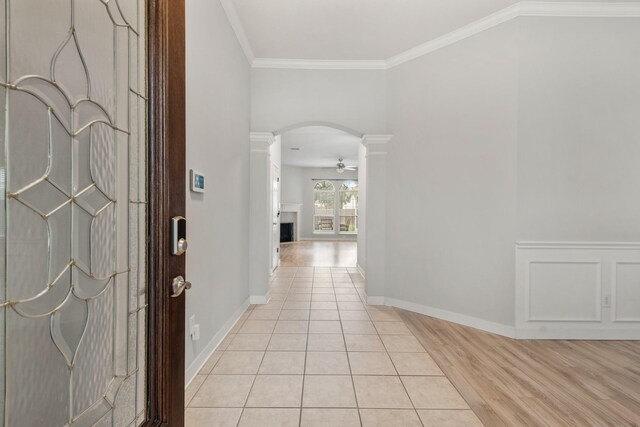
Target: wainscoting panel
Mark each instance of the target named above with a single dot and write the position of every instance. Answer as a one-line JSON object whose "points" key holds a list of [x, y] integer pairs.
{"points": [[626, 292], [570, 290]]}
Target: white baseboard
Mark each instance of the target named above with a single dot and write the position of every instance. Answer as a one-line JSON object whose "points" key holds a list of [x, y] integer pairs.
{"points": [[375, 300], [204, 355], [328, 239], [462, 319], [360, 270], [259, 299], [577, 334]]}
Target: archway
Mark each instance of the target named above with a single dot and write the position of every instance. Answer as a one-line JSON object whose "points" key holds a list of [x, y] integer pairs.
{"points": [[372, 228]]}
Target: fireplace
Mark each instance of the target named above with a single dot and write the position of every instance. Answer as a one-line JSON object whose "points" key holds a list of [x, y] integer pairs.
{"points": [[286, 232]]}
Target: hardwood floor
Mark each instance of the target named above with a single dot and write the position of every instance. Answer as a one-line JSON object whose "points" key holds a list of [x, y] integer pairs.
{"points": [[535, 382], [319, 254]]}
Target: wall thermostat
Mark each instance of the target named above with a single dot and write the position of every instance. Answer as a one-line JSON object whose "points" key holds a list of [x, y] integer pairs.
{"points": [[196, 180]]}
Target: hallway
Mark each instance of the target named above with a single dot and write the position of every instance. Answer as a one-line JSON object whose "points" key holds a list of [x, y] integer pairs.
{"points": [[319, 254], [316, 355]]}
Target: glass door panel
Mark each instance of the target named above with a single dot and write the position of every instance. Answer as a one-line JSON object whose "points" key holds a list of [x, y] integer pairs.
{"points": [[73, 212]]}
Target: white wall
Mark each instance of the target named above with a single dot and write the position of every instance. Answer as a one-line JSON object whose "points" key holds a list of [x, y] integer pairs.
{"points": [[292, 184], [297, 187], [218, 146], [579, 130], [451, 178], [351, 98]]}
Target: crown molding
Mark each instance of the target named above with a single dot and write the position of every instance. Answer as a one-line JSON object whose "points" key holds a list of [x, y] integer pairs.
{"points": [[238, 29], [454, 36], [523, 8], [319, 64]]}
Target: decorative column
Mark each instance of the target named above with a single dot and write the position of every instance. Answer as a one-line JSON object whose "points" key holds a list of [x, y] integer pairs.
{"points": [[376, 216], [260, 216]]}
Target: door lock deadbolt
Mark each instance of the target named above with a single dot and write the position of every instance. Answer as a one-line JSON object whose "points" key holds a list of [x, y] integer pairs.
{"points": [[178, 235]]}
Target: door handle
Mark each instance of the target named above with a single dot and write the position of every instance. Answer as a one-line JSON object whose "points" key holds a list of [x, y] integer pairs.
{"points": [[178, 286]]}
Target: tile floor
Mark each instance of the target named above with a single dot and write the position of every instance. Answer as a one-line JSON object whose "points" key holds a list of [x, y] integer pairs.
{"points": [[317, 355]]}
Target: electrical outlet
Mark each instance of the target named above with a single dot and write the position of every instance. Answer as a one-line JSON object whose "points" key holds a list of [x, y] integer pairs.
{"points": [[606, 300], [195, 334], [194, 329]]}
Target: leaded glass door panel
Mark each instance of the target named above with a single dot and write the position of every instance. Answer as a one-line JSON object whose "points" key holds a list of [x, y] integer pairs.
{"points": [[72, 218]]}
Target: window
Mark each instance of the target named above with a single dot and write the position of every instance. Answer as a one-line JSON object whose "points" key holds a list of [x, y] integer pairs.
{"points": [[349, 207], [324, 195]]}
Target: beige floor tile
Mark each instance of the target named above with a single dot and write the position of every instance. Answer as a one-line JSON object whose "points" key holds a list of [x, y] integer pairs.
{"points": [[381, 392], [211, 362], [271, 305], [277, 296], [343, 284], [292, 327], [323, 297], [294, 315], [193, 387], [227, 340], [449, 418], [402, 344], [264, 315], [354, 315], [371, 363], [415, 364], [325, 327], [223, 391], [324, 315], [288, 342], [281, 391], [321, 291], [362, 327], [323, 284], [245, 342], [384, 316], [212, 417], [392, 328], [302, 284], [238, 362], [433, 393], [282, 362], [363, 343], [328, 391], [389, 417], [299, 297], [258, 327], [330, 418], [296, 305], [345, 291], [301, 291], [350, 306], [323, 305], [269, 417], [347, 298], [334, 363], [326, 342]]}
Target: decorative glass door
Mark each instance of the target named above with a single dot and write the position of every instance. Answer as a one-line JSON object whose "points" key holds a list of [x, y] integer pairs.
{"points": [[73, 212]]}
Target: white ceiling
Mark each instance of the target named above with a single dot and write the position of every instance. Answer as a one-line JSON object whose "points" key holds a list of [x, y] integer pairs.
{"points": [[352, 29], [319, 147]]}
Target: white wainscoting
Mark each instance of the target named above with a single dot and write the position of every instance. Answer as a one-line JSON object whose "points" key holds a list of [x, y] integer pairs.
{"points": [[577, 290]]}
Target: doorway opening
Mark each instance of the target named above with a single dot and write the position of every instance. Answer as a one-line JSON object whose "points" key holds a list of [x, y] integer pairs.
{"points": [[320, 192]]}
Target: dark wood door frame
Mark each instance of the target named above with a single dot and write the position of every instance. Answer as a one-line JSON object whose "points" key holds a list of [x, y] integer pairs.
{"points": [[167, 179]]}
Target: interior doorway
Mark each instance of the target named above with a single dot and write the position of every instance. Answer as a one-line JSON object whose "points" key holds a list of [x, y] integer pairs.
{"points": [[319, 195]]}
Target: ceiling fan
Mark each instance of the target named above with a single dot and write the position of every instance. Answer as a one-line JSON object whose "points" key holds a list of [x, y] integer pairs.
{"points": [[341, 167]]}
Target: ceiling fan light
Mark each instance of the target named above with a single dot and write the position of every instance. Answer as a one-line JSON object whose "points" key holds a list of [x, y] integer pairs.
{"points": [[339, 170]]}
